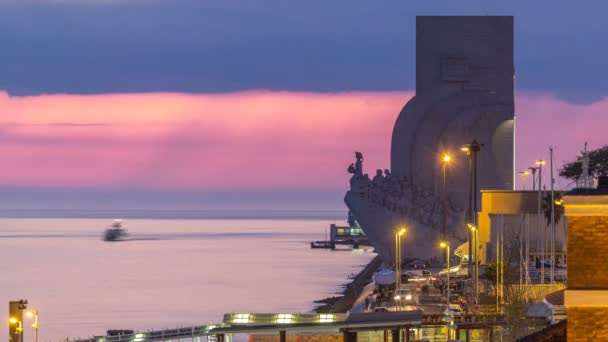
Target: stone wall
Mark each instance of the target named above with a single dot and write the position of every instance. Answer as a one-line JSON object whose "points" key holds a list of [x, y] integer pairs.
{"points": [[586, 297], [587, 252], [587, 324]]}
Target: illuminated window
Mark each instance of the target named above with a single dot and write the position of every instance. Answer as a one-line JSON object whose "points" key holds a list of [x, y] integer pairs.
{"points": [[241, 318], [324, 318], [340, 231], [284, 318]]}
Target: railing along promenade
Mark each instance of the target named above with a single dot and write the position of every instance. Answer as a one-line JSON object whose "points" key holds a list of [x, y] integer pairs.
{"points": [[193, 332]]}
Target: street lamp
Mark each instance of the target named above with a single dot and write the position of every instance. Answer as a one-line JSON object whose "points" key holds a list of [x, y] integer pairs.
{"points": [[533, 170], [527, 252], [471, 150], [34, 314], [398, 236], [524, 175], [446, 245], [541, 231], [445, 160], [474, 232], [469, 217]]}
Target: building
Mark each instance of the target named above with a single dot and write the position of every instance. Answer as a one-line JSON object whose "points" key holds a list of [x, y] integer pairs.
{"points": [[586, 297], [512, 217]]}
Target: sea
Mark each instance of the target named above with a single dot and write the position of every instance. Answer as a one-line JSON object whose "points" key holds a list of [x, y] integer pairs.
{"points": [[179, 268]]}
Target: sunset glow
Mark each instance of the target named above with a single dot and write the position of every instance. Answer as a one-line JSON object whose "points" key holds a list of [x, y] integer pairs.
{"points": [[244, 140]]}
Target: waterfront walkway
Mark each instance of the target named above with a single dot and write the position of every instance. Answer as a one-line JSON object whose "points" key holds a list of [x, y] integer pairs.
{"points": [[347, 325]]}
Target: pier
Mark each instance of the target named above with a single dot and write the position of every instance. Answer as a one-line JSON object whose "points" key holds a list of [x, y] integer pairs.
{"points": [[343, 235]]}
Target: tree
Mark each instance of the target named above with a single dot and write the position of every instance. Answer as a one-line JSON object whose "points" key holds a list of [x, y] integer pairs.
{"points": [[559, 209], [598, 165]]}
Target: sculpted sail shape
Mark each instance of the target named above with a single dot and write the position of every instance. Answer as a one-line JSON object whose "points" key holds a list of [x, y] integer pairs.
{"points": [[464, 91]]}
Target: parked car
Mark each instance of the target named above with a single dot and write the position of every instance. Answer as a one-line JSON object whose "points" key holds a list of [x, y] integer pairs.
{"points": [[404, 297]]}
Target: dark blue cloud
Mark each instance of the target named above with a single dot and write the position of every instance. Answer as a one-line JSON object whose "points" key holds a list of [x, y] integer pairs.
{"points": [[218, 46]]}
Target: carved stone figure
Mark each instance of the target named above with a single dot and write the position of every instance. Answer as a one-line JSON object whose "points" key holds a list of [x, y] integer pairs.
{"points": [[359, 164]]}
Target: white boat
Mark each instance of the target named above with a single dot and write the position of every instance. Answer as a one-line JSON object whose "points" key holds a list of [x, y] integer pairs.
{"points": [[116, 232]]}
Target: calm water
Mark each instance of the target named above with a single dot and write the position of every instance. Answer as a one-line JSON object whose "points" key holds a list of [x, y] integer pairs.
{"points": [[180, 272]]}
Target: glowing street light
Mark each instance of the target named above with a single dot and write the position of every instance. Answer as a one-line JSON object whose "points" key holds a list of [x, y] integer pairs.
{"points": [[524, 175], [541, 230], [446, 245], [34, 314], [445, 160], [475, 231], [398, 236]]}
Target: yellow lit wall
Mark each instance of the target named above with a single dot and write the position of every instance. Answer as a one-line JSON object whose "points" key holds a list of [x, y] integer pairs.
{"points": [[586, 298], [502, 202]]}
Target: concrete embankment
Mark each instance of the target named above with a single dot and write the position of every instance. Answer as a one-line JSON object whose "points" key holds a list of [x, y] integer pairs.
{"points": [[352, 291]]}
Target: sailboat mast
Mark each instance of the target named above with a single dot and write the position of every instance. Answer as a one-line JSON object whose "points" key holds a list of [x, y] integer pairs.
{"points": [[552, 218]]}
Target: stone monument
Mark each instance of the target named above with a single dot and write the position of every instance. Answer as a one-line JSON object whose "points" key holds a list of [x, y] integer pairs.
{"points": [[464, 91]]}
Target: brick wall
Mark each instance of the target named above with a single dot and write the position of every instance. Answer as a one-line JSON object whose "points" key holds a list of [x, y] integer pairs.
{"points": [[587, 252], [587, 323]]}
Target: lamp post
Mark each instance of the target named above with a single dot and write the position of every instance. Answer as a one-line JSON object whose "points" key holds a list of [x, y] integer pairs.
{"points": [[541, 231], [471, 150], [475, 147], [398, 236], [446, 245], [524, 175], [474, 232], [533, 170], [469, 217], [445, 160], [34, 314], [527, 252]]}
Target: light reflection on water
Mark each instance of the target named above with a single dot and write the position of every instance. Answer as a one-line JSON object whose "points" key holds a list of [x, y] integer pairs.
{"points": [[173, 273]]}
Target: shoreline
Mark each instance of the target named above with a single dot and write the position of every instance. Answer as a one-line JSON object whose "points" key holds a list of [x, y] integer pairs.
{"points": [[352, 290]]}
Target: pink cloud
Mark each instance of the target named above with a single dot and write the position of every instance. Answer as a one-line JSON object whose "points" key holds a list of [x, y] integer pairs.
{"points": [[247, 140], [164, 140]]}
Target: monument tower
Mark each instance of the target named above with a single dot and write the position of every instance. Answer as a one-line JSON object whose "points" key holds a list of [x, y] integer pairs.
{"points": [[464, 91]]}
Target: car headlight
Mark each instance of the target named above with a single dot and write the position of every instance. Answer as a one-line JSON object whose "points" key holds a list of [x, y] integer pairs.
{"points": [[397, 297], [408, 297]]}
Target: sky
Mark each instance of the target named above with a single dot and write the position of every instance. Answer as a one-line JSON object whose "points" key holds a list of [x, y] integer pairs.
{"points": [[254, 103]]}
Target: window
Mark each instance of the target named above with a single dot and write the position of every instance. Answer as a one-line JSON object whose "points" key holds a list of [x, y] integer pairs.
{"points": [[325, 318], [241, 318], [284, 318]]}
